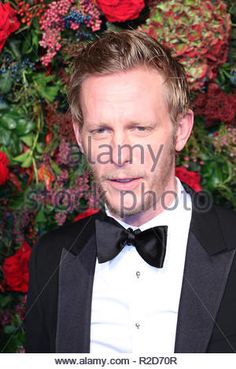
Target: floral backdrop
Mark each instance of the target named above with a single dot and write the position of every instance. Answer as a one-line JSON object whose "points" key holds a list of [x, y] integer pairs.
{"points": [[44, 180]]}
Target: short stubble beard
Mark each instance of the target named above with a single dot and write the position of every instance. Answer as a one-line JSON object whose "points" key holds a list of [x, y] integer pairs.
{"points": [[151, 202]]}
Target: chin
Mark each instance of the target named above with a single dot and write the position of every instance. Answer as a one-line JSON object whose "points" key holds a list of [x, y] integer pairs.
{"points": [[118, 210], [127, 210]]}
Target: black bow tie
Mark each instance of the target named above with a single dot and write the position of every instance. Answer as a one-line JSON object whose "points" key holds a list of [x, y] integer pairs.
{"points": [[112, 237]]}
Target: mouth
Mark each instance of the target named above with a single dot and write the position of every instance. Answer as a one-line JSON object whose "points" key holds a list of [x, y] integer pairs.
{"points": [[123, 180], [125, 183]]}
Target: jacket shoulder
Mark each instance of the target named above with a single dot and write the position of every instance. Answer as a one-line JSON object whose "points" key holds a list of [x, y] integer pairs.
{"points": [[227, 221], [226, 214], [72, 236]]}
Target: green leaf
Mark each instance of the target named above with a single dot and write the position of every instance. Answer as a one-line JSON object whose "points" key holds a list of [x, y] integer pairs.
{"points": [[40, 217], [9, 329], [27, 44], [5, 137], [7, 121], [24, 127], [39, 147], [5, 300], [22, 157], [232, 9], [50, 93], [3, 105], [56, 168], [47, 92], [15, 48], [28, 140], [5, 83], [30, 43], [15, 145], [28, 161], [35, 39]]}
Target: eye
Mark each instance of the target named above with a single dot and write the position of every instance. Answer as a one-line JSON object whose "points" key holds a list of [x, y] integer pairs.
{"points": [[100, 132], [141, 129]]}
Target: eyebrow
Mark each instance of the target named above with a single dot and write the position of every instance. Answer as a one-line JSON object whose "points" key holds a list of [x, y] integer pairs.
{"points": [[130, 123], [97, 125], [137, 123]]}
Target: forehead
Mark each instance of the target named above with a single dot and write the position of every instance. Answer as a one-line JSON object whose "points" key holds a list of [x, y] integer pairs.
{"points": [[139, 91]]}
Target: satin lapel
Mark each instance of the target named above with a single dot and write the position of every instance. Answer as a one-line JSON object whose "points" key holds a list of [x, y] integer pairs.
{"points": [[205, 276], [74, 299]]}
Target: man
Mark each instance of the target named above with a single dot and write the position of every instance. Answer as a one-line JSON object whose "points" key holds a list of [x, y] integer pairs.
{"points": [[153, 272]]}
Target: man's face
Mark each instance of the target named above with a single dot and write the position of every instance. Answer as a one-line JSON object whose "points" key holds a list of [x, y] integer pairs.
{"points": [[128, 138]]}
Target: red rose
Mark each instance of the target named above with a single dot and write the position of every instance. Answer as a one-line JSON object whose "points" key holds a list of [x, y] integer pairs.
{"points": [[8, 22], [3, 158], [85, 214], [121, 10], [4, 171], [16, 271], [190, 178]]}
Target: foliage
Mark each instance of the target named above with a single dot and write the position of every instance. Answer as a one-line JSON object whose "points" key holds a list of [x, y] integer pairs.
{"points": [[198, 31]]}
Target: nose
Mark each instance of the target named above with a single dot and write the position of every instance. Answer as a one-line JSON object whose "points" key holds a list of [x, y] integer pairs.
{"points": [[121, 150]]}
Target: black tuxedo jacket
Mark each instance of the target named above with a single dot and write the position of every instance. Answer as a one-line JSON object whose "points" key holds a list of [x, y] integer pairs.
{"points": [[61, 280]]}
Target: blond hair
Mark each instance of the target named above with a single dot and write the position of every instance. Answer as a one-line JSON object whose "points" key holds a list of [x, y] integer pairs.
{"points": [[122, 51]]}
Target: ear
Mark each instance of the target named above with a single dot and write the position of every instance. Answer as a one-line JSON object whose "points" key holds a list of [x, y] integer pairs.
{"points": [[77, 131], [184, 129]]}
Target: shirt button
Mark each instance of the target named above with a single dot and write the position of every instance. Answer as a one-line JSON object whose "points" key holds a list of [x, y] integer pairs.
{"points": [[138, 274], [137, 325]]}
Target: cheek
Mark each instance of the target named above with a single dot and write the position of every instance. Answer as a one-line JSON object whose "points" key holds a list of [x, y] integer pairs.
{"points": [[91, 151], [153, 157], [157, 157]]}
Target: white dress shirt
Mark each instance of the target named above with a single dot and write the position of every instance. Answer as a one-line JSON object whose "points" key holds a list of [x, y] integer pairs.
{"points": [[135, 305]]}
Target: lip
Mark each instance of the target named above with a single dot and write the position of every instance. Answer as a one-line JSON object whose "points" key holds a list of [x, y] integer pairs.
{"points": [[125, 185]]}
